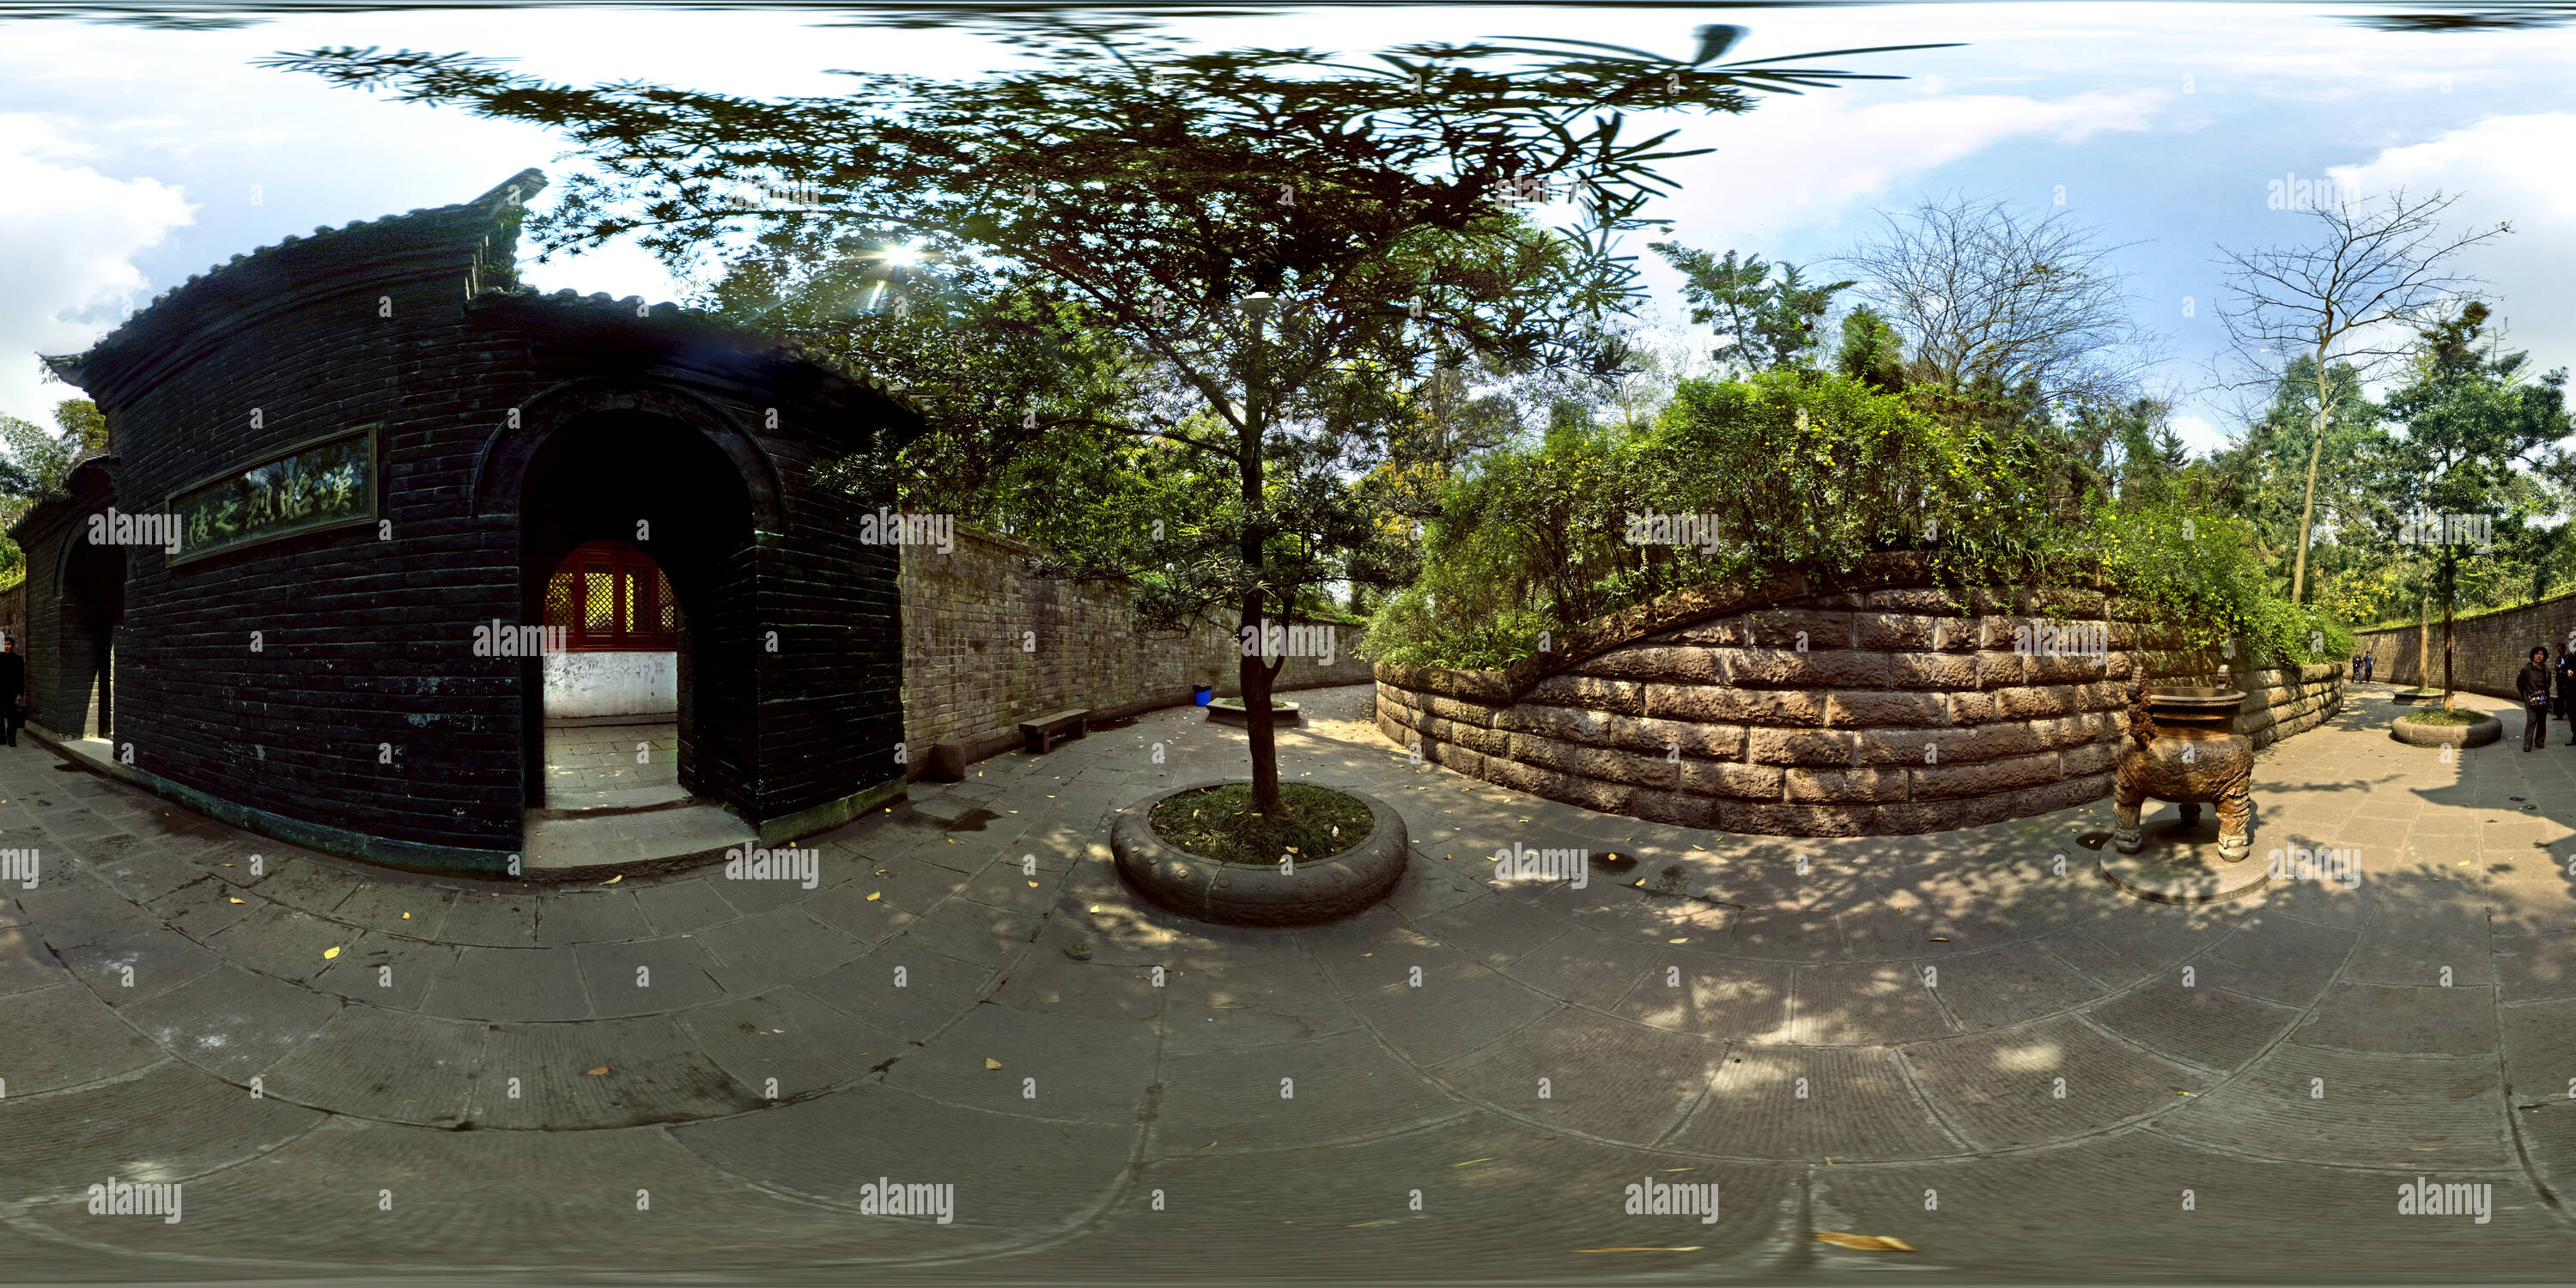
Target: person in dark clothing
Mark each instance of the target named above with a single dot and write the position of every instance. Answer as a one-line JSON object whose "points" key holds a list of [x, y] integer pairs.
{"points": [[2533, 686], [2567, 691], [13, 689], [2369, 666]]}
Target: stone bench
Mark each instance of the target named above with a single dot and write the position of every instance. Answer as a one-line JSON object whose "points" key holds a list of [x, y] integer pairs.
{"points": [[1043, 732]]}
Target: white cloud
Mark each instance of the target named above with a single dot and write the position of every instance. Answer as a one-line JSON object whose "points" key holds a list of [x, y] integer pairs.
{"points": [[73, 234], [1808, 160], [2503, 168]]}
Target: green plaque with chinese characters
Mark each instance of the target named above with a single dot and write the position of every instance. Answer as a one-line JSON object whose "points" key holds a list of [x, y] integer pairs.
{"points": [[326, 483]]}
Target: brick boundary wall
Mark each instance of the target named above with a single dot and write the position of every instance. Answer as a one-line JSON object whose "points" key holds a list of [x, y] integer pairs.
{"points": [[2486, 650], [969, 680], [1698, 710]]}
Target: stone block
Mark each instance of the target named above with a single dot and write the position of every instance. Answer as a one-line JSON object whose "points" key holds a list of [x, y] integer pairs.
{"points": [[2091, 758], [1713, 632], [1792, 820], [1905, 747], [1788, 669], [1867, 709], [1999, 670], [1489, 742], [1809, 747], [1449, 755], [2041, 703], [2065, 669], [1924, 602], [1612, 765], [1738, 782], [1703, 704], [2064, 794], [1983, 777], [1462, 711], [1572, 789], [1626, 697], [2105, 695], [1780, 628], [1844, 786], [1677, 808], [1895, 632], [1973, 708], [1667, 663], [1938, 671], [1520, 776], [2073, 731]]}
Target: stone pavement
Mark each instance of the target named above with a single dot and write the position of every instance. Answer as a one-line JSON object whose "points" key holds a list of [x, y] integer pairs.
{"points": [[591, 765], [1944, 1039]]}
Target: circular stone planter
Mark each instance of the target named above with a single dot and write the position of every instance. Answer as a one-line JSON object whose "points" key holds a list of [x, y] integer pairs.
{"points": [[1231, 711], [2485, 731], [1247, 894]]}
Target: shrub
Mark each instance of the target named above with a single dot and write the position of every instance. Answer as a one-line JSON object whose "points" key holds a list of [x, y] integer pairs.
{"points": [[1794, 467]]}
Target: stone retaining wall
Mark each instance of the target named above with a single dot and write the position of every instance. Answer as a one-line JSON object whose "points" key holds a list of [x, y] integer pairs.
{"points": [[987, 645], [1906, 712], [2487, 651]]}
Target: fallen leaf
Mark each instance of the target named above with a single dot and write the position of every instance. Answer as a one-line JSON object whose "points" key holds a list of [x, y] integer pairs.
{"points": [[406, 916], [1692, 1248], [1864, 1242], [872, 897], [748, 1028], [330, 952], [991, 1063], [1033, 885], [232, 901], [600, 1072], [1677, 941], [1940, 939], [615, 879], [1362, 1225], [1471, 1162]]}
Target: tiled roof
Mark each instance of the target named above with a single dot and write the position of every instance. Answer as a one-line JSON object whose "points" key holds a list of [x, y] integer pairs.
{"points": [[525, 183]]}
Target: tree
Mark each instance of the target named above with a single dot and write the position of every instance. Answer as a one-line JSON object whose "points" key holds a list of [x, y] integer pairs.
{"points": [[1293, 238], [37, 461], [2343, 298], [1764, 322], [2474, 424], [2267, 485], [1984, 295]]}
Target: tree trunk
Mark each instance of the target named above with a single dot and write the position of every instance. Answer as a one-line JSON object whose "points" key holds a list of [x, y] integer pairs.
{"points": [[1261, 733], [1264, 738], [2448, 696], [2308, 507], [2424, 640]]}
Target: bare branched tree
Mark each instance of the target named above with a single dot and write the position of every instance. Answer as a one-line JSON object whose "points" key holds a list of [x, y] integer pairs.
{"points": [[1977, 290], [2349, 297]]}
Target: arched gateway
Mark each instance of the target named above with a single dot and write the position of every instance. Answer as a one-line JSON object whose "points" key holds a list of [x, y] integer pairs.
{"points": [[344, 472]]}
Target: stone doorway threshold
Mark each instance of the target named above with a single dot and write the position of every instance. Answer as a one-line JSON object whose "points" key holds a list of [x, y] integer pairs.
{"points": [[595, 844]]}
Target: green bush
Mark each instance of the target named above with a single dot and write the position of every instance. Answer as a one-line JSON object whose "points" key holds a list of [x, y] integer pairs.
{"points": [[1795, 467]]}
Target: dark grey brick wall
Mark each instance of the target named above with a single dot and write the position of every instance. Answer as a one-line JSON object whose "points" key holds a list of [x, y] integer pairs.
{"points": [[366, 634]]}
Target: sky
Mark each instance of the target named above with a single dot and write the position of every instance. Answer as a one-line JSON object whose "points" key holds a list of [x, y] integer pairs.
{"points": [[131, 158]]}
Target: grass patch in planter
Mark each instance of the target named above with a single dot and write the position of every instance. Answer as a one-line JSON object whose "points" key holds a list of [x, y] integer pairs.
{"points": [[1218, 823], [2437, 716]]}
